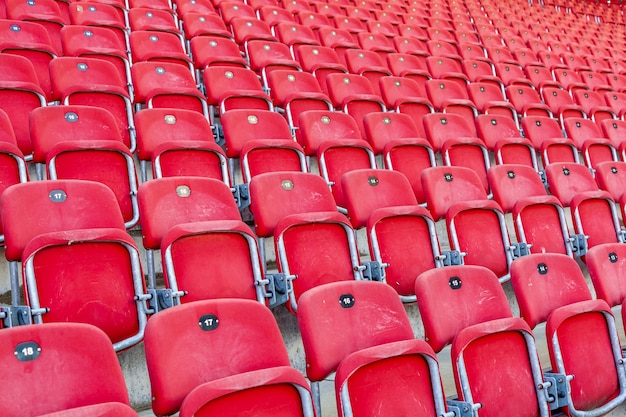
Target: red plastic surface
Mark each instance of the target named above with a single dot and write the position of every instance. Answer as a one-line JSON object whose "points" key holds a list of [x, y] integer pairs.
{"points": [[331, 332], [76, 367], [246, 339], [544, 282]]}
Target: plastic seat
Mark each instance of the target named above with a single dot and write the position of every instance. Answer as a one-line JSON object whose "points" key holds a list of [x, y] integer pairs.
{"points": [[269, 155], [395, 136], [511, 74], [540, 76], [526, 101], [615, 131], [562, 105], [340, 37], [410, 45], [242, 126], [230, 10], [354, 95], [368, 64], [313, 20], [248, 29], [566, 180], [317, 126], [406, 96], [606, 263], [204, 24], [336, 157], [609, 176], [410, 65], [320, 61], [97, 42], [446, 68], [40, 357], [254, 375], [551, 288], [94, 82], [593, 103], [82, 142], [30, 40], [146, 45], [100, 15], [547, 137], [20, 94], [589, 138], [72, 229], [293, 34], [448, 96], [539, 218], [569, 79], [482, 333], [141, 18], [502, 136], [595, 81], [488, 99], [178, 143], [201, 213], [214, 50], [296, 92], [12, 164], [234, 88], [46, 13], [385, 354]]}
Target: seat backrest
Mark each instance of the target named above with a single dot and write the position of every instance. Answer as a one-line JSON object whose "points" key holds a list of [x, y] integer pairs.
{"points": [[383, 127], [614, 130], [220, 80], [275, 195], [566, 179], [581, 130], [167, 202], [52, 125], [155, 127], [69, 74], [317, 126], [440, 127], [492, 128], [445, 186], [343, 86], [34, 208], [340, 318], [511, 183], [542, 282], [242, 336], [51, 370], [243, 126], [285, 83], [453, 298], [539, 128], [366, 190], [152, 77], [611, 177], [607, 265]]}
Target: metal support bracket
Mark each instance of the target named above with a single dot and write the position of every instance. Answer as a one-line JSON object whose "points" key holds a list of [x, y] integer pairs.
{"points": [[242, 198], [578, 243], [463, 408], [451, 257], [544, 179], [374, 271], [276, 288], [520, 249], [19, 315], [160, 299], [621, 235], [556, 390]]}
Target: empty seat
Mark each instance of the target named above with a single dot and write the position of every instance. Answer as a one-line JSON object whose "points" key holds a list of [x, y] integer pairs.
{"points": [[296, 92], [242, 126], [265, 56], [268, 155], [606, 265], [562, 105], [547, 137], [457, 194], [94, 82], [526, 101], [73, 229], [20, 94], [54, 375], [551, 288], [480, 334], [502, 136], [589, 138], [368, 64], [164, 84], [320, 61], [106, 15], [178, 142], [146, 45], [395, 136], [383, 352], [448, 96], [354, 95], [611, 177], [46, 13], [539, 219], [97, 42], [30, 40], [405, 95], [82, 142], [252, 375], [317, 126]]}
